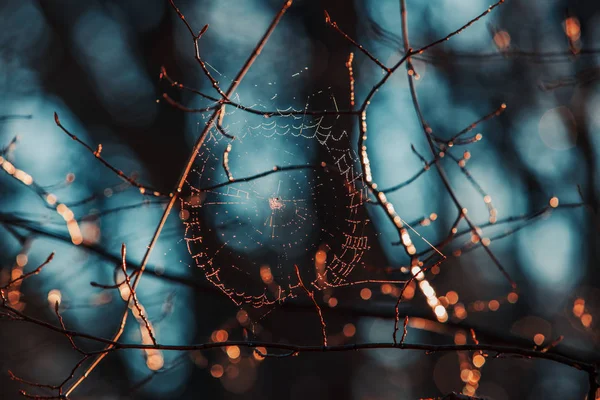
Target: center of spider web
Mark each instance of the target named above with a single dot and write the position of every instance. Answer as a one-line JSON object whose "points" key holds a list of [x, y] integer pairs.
{"points": [[276, 203]]}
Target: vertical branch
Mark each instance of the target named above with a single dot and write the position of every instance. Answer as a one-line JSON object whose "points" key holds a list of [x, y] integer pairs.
{"points": [[495, 113], [97, 152], [405, 330], [133, 295], [351, 78], [318, 308], [31, 273], [226, 163], [427, 129], [196, 39], [61, 321], [100, 356], [450, 237], [403, 17], [418, 274]]}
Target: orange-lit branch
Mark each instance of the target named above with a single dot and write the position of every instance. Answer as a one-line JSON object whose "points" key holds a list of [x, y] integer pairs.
{"points": [[196, 39], [291, 349], [487, 199], [226, 163], [215, 120], [133, 294], [60, 387], [553, 344], [416, 273], [526, 219], [453, 140], [63, 326], [31, 273], [362, 137], [335, 26], [178, 85], [311, 295], [351, 78], [20, 175], [49, 199], [405, 330]]}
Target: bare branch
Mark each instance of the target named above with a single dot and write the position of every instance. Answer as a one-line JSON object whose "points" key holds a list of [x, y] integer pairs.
{"points": [[133, 295], [335, 26], [96, 152], [226, 162], [183, 178], [196, 39], [311, 295], [427, 130], [29, 274], [405, 330]]}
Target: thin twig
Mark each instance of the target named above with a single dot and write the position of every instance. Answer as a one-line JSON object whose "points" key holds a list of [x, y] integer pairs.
{"points": [[427, 129], [405, 330], [406, 182], [133, 294], [226, 163], [456, 32], [351, 77], [401, 295], [311, 295], [196, 39], [335, 26], [97, 153], [31, 273], [62, 324]]}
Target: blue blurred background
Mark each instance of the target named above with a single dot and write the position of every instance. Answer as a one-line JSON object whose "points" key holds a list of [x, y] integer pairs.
{"points": [[97, 64]]}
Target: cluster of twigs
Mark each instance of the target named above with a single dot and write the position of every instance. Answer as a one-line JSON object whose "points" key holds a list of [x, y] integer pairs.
{"points": [[423, 261]]}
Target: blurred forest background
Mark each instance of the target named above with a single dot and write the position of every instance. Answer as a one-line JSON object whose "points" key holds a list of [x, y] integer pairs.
{"points": [[97, 64]]}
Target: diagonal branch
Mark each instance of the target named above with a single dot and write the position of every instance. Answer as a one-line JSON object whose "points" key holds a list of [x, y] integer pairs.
{"points": [[188, 167], [196, 39], [31, 273], [133, 295], [427, 131], [335, 26], [97, 153]]}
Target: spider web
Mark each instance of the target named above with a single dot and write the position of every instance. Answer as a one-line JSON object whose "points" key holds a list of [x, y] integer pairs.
{"points": [[248, 236]]}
